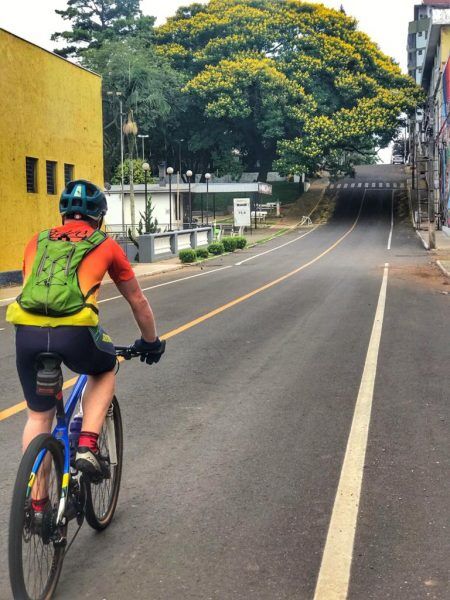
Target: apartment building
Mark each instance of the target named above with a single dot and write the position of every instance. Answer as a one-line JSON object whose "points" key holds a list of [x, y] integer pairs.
{"points": [[429, 65]]}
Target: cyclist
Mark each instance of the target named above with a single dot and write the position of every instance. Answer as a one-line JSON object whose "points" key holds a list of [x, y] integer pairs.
{"points": [[57, 312]]}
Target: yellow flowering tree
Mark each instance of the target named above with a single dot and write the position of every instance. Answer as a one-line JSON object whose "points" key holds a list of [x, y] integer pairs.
{"points": [[283, 83]]}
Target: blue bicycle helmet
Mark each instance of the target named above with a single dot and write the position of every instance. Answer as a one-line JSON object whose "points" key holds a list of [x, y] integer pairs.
{"points": [[84, 198]]}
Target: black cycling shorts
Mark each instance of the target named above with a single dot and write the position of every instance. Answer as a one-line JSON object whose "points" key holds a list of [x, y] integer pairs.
{"points": [[84, 350]]}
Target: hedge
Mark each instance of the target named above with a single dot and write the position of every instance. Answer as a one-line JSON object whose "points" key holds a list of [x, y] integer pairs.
{"points": [[187, 255]]}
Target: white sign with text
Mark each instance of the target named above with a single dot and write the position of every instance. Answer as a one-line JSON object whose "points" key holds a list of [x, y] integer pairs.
{"points": [[242, 216]]}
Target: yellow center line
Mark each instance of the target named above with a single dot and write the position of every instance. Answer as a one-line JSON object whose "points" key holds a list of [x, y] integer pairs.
{"points": [[9, 412]]}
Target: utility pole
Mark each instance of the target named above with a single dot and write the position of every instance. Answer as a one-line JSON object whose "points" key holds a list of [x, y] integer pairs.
{"points": [[431, 174]]}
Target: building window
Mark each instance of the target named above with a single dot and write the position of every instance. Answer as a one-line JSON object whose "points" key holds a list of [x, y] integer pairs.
{"points": [[68, 173], [31, 174], [420, 52], [420, 34], [51, 176]]}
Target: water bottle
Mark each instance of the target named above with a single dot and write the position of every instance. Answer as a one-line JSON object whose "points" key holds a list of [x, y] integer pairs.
{"points": [[74, 434]]}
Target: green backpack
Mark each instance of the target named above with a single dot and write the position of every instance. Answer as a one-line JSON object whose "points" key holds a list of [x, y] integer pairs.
{"points": [[52, 288]]}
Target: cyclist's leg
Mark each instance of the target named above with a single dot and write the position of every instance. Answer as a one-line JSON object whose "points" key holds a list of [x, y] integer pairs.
{"points": [[91, 352], [30, 341], [97, 399], [37, 422]]}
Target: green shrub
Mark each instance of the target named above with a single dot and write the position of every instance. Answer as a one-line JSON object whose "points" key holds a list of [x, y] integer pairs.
{"points": [[187, 256], [229, 243], [216, 248], [241, 242], [202, 253]]}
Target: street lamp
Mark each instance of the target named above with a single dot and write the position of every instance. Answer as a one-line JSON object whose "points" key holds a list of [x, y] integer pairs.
{"points": [[208, 177], [179, 155], [170, 173], [143, 137], [119, 96], [189, 175], [146, 168]]}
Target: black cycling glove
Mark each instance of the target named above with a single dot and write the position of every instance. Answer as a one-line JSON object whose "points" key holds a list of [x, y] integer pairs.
{"points": [[150, 352]]}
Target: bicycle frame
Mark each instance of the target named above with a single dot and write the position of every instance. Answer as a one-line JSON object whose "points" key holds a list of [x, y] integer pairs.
{"points": [[61, 433]]}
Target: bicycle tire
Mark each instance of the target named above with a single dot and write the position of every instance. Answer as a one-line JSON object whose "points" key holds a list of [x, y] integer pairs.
{"points": [[97, 519], [19, 520]]}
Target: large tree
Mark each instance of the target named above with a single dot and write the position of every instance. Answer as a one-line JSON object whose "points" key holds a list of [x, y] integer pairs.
{"points": [[95, 21], [287, 83], [147, 85]]}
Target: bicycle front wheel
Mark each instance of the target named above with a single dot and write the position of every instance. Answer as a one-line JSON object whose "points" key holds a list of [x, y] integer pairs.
{"points": [[102, 496], [35, 556]]}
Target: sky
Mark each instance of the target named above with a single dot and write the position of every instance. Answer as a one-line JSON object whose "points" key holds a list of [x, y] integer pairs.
{"points": [[386, 21]]}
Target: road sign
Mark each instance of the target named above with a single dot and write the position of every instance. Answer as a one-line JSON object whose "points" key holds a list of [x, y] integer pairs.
{"points": [[265, 188], [242, 212]]}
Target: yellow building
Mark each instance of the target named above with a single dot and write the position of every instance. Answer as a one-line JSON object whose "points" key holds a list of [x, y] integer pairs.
{"points": [[50, 132]]}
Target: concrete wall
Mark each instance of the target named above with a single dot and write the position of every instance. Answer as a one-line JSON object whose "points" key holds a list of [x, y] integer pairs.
{"points": [[160, 202], [51, 110]]}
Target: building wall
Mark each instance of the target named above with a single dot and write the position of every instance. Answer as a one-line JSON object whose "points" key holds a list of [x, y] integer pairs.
{"points": [[160, 203], [51, 110]]}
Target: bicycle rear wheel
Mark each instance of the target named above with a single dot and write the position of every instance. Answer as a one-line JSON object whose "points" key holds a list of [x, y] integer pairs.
{"points": [[35, 558], [101, 498]]}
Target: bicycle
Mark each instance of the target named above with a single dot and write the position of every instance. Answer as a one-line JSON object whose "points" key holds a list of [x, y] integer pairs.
{"points": [[37, 547]]}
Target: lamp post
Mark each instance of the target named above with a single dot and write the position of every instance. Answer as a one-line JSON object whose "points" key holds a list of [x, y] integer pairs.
{"points": [[179, 155], [143, 137], [208, 177], [189, 175], [146, 168], [170, 173], [119, 97]]}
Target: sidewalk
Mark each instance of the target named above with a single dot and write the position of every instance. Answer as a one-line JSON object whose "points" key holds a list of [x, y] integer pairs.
{"points": [[441, 255]]}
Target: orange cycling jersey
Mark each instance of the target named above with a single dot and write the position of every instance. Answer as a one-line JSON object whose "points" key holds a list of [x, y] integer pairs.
{"points": [[108, 257]]}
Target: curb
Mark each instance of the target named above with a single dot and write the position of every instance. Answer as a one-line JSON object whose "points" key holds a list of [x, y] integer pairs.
{"points": [[426, 245], [443, 269]]}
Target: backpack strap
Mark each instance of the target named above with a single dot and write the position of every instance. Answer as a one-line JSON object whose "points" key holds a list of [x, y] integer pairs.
{"points": [[97, 237]]}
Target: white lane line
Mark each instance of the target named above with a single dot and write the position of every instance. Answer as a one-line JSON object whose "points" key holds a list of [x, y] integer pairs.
{"points": [[334, 575], [238, 264], [373, 185], [345, 185], [380, 185], [395, 185], [2, 329], [332, 186], [388, 185], [339, 186], [152, 287], [366, 185], [353, 185], [359, 185], [392, 223]]}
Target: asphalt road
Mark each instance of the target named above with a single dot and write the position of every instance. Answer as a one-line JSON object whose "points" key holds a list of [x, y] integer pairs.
{"points": [[236, 441]]}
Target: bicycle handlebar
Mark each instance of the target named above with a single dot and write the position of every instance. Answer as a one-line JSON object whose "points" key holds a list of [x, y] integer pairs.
{"points": [[127, 352]]}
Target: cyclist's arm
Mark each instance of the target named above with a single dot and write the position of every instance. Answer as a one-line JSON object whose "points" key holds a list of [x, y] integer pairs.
{"points": [[140, 306]]}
